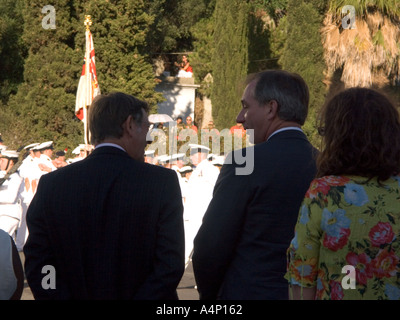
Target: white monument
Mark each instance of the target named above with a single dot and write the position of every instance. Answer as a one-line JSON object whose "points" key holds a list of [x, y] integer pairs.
{"points": [[180, 95]]}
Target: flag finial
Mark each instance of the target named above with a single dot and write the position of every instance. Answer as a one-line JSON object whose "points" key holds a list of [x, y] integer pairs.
{"points": [[88, 22]]}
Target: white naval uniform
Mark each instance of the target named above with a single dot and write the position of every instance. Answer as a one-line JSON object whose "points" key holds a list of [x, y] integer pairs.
{"points": [[29, 171], [199, 194], [10, 203], [45, 159], [182, 183]]}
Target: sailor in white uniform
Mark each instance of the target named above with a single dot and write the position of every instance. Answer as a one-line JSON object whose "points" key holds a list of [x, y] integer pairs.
{"points": [[185, 172], [177, 162], [10, 193], [32, 171], [25, 168], [45, 162], [25, 171], [199, 193], [218, 161], [79, 152]]}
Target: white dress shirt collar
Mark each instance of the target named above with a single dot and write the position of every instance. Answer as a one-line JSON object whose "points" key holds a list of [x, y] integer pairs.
{"points": [[108, 144], [284, 129]]}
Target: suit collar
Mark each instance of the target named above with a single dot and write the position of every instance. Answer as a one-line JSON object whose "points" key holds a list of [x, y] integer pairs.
{"points": [[108, 144], [289, 133], [284, 129], [109, 150]]}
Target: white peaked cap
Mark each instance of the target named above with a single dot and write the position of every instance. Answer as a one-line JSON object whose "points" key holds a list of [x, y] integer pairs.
{"points": [[44, 145], [185, 169], [149, 153], [164, 158], [219, 160], [30, 146], [177, 156], [211, 156], [78, 149], [9, 154]]}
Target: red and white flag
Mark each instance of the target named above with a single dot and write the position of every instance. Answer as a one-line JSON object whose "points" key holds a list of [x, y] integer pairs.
{"points": [[88, 87]]}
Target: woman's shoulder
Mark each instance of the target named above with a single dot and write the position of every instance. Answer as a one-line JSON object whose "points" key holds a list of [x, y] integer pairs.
{"points": [[331, 181], [333, 186]]}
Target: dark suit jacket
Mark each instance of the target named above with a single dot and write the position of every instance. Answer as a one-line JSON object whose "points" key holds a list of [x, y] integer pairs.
{"points": [[111, 226], [240, 249]]}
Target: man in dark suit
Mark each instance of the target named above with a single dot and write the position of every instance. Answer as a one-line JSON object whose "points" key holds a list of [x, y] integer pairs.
{"points": [[109, 226], [240, 249]]}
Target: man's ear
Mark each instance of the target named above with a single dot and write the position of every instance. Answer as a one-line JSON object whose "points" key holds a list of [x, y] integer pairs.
{"points": [[129, 125], [272, 109]]}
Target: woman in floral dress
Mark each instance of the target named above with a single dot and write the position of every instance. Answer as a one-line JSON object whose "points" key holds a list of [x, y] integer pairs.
{"points": [[347, 237]]}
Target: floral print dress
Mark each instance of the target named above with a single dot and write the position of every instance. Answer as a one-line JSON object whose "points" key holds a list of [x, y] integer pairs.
{"points": [[346, 221]]}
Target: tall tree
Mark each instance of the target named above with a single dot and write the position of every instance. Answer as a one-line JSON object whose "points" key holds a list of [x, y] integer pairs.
{"points": [[303, 54], [203, 56], [230, 61], [120, 29], [43, 108], [12, 50], [173, 21]]}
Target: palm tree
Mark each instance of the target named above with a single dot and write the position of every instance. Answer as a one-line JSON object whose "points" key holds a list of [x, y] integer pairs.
{"points": [[370, 53]]}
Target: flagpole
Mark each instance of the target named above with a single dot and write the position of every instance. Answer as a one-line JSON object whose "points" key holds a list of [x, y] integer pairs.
{"points": [[88, 87], [87, 23]]}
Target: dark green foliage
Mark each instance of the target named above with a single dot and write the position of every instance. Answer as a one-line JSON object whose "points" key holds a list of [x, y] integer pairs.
{"points": [[12, 50], [276, 9], [303, 54], [119, 31], [230, 59], [203, 56], [259, 51], [43, 108], [173, 22]]}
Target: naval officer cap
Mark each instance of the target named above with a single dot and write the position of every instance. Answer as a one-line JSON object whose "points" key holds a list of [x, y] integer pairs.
{"points": [[211, 157], [9, 154], [31, 146], [177, 156], [149, 153], [78, 149], [44, 146], [218, 161], [164, 158], [185, 169], [198, 148]]}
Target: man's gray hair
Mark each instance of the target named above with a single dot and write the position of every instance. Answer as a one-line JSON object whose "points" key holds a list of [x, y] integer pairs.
{"points": [[288, 89]]}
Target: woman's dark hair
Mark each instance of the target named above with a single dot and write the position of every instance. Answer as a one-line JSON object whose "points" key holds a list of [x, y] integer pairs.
{"points": [[361, 130]]}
